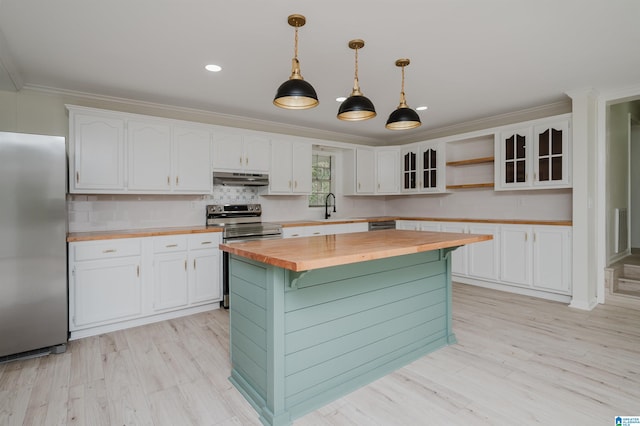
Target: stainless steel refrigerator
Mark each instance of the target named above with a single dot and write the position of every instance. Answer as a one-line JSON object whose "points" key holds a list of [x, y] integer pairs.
{"points": [[33, 250]]}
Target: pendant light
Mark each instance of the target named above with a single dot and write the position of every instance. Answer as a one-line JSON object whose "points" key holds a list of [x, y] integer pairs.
{"points": [[356, 107], [403, 117], [296, 93]]}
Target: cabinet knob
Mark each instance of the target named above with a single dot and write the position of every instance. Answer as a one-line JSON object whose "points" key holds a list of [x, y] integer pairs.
{"points": [[194, 264], [295, 184], [241, 161], [289, 184], [168, 180], [77, 177], [177, 180], [109, 251], [246, 161], [206, 242], [185, 264], [138, 271]]}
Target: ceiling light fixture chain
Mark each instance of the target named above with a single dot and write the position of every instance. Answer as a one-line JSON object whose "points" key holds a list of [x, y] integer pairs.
{"points": [[356, 83]]}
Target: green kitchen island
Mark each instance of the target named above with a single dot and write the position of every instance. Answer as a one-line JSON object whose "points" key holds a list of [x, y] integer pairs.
{"points": [[314, 318]]}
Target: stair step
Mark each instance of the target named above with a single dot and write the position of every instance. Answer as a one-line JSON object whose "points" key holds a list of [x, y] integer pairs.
{"points": [[631, 271], [626, 284]]}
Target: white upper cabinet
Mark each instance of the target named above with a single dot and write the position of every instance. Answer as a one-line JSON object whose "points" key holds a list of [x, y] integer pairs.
{"points": [[96, 150], [168, 159], [387, 175], [191, 160], [359, 171], [409, 167], [162, 156], [240, 152], [290, 167], [551, 153], [365, 171], [149, 156], [534, 155]]}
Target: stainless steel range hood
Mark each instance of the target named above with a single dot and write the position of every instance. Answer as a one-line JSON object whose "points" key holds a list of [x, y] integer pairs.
{"points": [[240, 179]]}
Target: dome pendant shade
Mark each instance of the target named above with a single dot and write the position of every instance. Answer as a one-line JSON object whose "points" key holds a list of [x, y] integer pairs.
{"points": [[296, 93], [403, 118], [356, 107]]}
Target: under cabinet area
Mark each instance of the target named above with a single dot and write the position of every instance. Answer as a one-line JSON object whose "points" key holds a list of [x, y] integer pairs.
{"points": [[120, 283]]}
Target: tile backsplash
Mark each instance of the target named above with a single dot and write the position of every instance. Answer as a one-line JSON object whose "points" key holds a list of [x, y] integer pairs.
{"points": [[116, 212]]}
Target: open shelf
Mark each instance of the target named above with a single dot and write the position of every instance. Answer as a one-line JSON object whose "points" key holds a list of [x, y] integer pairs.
{"points": [[471, 161], [471, 185]]}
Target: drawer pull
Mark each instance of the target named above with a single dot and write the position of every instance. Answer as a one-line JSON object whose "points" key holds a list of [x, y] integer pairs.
{"points": [[316, 233], [194, 264], [177, 180], [77, 177], [168, 180], [185, 264], [138, 271], [206, 242], [171, 245], [109, 251]]}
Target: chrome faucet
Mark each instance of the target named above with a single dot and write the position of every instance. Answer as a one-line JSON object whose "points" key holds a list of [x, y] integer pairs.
{"points": [[327, 215]]}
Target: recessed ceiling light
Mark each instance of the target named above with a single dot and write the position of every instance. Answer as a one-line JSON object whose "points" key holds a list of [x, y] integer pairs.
{"points": [[341, 99], [213, 68], [421, 108]]}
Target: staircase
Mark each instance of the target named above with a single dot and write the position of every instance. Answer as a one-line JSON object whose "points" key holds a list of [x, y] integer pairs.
{"points": [[628, 283]]}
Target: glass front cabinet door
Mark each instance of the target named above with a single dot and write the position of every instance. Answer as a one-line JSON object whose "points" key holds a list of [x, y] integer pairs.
{"points": [[535, 156], [430, 167], [551, 154], [409, 169]]}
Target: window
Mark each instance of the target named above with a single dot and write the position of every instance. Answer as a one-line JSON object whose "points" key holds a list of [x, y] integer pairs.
{"points": [[321, 182]]}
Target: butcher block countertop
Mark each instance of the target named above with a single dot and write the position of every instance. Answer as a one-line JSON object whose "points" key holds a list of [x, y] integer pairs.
{"points": [[306, 253], [136, 233]]}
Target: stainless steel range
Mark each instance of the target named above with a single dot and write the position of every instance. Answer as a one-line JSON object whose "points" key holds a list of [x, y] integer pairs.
{"points": [[240, 222]]}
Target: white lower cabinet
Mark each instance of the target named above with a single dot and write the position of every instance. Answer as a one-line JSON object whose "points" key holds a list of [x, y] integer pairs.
{"points": [[527, 259], [104, 282], [204, 268], [120, 283], [538, 257]]}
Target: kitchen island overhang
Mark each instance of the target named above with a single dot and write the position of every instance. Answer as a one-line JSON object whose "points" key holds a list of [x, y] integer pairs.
{"points": [[312, 319]]}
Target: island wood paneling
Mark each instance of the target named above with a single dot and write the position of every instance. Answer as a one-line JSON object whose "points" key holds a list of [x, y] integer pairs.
{"points": [[301, 340]]}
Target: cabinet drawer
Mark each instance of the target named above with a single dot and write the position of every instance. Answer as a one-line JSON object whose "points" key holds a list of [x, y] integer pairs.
{"points": [[203, 241], [169, 243], [106, 249]]}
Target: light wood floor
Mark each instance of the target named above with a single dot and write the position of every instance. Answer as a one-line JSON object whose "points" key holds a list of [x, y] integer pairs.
{"points": [[519, 361]]}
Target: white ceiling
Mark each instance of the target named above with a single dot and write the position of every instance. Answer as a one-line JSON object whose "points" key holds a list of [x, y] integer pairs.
{"points": [[470, 59]]}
